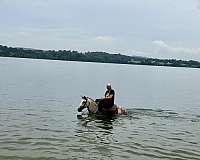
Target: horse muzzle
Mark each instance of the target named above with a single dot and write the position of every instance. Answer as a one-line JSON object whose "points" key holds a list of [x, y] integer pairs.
{"points": [[80, 109]]}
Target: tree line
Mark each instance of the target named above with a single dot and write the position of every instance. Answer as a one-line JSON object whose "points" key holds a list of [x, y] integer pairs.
{"points": [[101, 57]]}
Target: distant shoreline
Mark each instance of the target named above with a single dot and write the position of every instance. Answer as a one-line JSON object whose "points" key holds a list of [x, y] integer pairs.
{"points": [[96, 57]]}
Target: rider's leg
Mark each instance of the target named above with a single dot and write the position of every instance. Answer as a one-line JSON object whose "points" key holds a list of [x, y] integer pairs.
{"points": [[101, 104]]}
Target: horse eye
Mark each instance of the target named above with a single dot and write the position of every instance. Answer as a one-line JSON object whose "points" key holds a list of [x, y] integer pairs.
{"points": [[84, 101]]}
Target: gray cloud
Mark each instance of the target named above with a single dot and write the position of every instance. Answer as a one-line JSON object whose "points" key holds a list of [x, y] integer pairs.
{"points": [[198, 4], [104, 39], [168, 51]]}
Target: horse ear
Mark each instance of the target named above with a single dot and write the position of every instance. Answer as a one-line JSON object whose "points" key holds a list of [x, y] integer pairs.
{"points": [[83, 97]]}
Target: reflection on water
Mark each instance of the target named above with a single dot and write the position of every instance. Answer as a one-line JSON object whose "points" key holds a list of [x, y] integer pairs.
{"points": [[101, 121], [144, 134]]}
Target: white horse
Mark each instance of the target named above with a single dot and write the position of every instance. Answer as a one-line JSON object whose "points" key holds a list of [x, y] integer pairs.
{"points": [[92, 107]]}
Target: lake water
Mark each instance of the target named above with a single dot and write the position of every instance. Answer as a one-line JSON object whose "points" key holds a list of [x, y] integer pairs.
{"points": [[38, 111]]}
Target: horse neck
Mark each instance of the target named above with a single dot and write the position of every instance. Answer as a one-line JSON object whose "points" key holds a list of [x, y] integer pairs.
{"points": [[92, 105], [90, 102]]}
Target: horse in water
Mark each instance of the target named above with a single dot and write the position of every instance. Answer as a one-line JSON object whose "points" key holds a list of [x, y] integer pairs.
{"points": [[93, 108]]}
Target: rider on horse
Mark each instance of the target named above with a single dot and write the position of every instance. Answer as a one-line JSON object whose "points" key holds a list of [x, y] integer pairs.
{"points": [[104, 105], [107, 102]]}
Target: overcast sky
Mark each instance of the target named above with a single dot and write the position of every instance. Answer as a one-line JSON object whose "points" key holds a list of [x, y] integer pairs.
{"points": [[153, 28]]}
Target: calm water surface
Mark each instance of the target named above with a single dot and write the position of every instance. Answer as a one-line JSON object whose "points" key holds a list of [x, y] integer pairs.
{"points": [[38, 111]]}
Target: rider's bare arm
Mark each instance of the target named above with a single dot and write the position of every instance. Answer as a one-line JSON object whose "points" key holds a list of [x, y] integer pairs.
{"points": [[109, 97]]}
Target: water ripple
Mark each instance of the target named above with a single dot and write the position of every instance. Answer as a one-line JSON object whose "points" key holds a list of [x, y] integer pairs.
{"points": [[56, 133]]}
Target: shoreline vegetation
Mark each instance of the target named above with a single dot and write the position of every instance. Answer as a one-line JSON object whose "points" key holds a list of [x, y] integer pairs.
{"points": [[98, 57]]}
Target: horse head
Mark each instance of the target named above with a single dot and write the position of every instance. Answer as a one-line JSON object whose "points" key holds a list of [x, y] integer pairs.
{"points": [[83, 103], [88, 103]]}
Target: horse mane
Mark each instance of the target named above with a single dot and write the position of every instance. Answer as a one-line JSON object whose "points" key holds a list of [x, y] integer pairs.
{"points": [[91, 99], [93, 105]]}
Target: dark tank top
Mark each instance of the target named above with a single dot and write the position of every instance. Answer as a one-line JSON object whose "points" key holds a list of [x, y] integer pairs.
{"points": [[110, 102]]}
